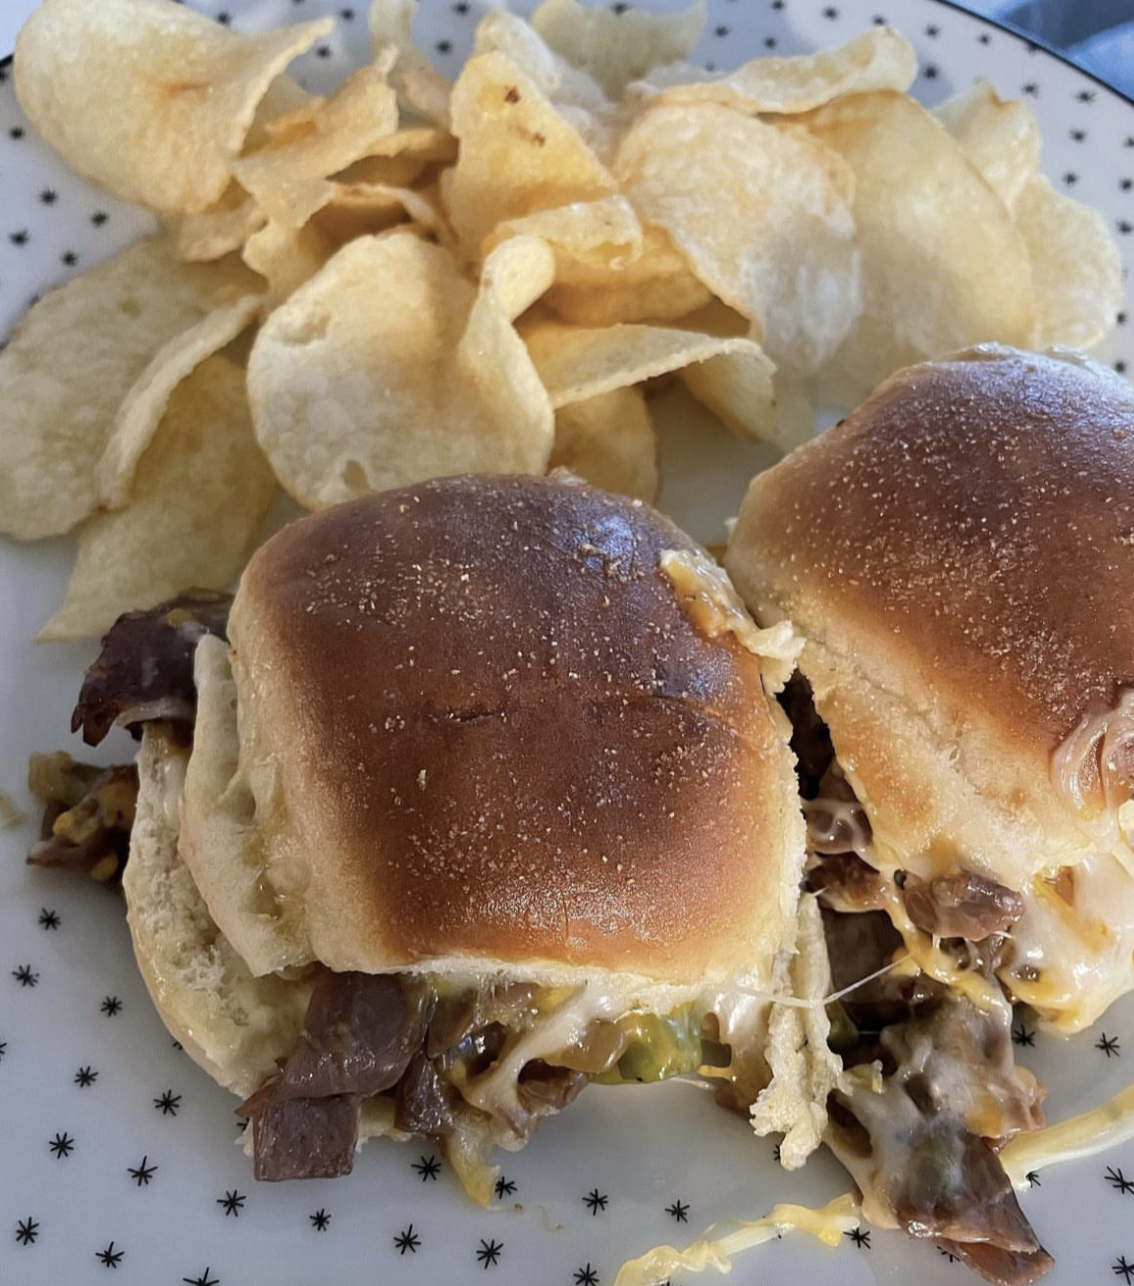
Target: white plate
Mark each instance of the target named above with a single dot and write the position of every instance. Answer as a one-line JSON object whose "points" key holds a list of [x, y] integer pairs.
{"points": [[99, 1183]]}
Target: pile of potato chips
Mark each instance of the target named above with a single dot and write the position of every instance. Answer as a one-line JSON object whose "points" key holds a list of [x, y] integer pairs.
{"points": [[412, 277]]}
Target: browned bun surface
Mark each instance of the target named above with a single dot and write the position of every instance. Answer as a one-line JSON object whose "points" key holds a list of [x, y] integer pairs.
{"points": [[959, 553], [504, 739]]}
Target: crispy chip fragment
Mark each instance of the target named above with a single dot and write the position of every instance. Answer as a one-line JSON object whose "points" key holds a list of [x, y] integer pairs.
{"points": [[290, 176], [654, 285], [164, 99], [1001, 137], [618, 46], [762, 215], [605, 233], [220, 230], [518, 153], [731, 376], [421, 88], [406, 367], [1076, 267], [878, 59], [203, 488], [141, 411], [943, 266], [72, 362], [609, 441]]}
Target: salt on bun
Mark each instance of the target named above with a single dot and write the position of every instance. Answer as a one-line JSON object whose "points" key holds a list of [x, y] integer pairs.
{"points": [[957, 555]]}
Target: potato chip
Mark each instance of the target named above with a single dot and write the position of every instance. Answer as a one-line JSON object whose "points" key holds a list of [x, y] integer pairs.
{"points": [[604, 234], [618, 46], [390, 366], [359, 209], [1076, 267], [72, 361], [203, 488], [289, 177], [141, 411], [609, 441], [164, 99], [220, 230], [878, 59], [518, 153], [420, 87], [653, 285], [731, 376], [942, 265], [1001, 138], [762, 215]]}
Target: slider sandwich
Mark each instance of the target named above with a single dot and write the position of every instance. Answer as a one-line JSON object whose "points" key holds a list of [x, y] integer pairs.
{"points": [[484, 798], [958, 556]]}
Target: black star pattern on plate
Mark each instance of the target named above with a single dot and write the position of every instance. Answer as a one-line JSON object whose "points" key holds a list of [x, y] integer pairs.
{"points": [[776, 1153], [1109, 1045], [1086, 96], [320, 1220], [1031, 89], [879, 20], [27, 1230], [461, 7], [1078, 135], [168, 1104], [62, 1145], [407, 1241], [1118, 1181], [49, 919], [428, 1168], [323, 51], [143, 1173], [444, 46], [203, 1280], [1120, 366], [1022, 1035], [984, 38], [679, 1210], [488, 1253], [347, 15], [3, 1049], [933, 31], [49, 196], [69, 258], [1033, 1179], [1070, 178], [110, 1258], [110, 1006], [722, 31], [586, 1276], [948, 1254], [931, 71], [26, 976], [595, 1201], [17, 131], [233, 1203], [830, 13], [1122, 1269], [99, 218], [505, 1187], [619, 7], [1125, 226], [860, 1237], [1125, 185], [769, 42]]}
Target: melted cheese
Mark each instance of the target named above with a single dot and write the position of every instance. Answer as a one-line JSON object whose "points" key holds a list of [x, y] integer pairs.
{"points": [[1084, 1135], [829, 1223]]}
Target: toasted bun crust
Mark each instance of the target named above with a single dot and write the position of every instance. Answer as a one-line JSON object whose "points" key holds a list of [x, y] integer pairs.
{"points": [[479, 728], [958, 553]]}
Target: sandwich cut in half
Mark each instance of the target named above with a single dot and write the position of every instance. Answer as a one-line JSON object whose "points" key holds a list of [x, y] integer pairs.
{"points": [[957, 556], [485, 797]]}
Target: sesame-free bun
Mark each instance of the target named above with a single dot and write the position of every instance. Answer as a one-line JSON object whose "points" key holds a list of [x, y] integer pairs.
{"points": [[958, 554], [477, 727]]}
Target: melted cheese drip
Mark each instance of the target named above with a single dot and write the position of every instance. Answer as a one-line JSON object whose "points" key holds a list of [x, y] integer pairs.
{"points": [[829, 1223], [1084, 1135], [715, 608]]}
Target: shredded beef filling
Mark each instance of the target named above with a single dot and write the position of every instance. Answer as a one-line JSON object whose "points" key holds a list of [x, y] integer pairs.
{"points": [[145, 668], [930, 1089]]}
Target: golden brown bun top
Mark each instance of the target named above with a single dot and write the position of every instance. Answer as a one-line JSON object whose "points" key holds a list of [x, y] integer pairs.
{"points": [[959, 553], [505, 740], [982, 508]]}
